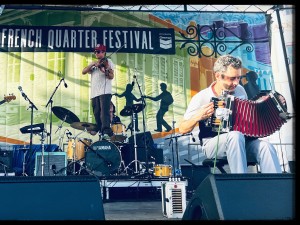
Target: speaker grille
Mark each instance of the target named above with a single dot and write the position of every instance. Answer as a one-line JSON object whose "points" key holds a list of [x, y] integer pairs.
{"points": [[173, 199], [54, 164]]}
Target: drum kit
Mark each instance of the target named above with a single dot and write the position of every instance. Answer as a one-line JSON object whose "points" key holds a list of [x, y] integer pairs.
{"points": [[102, 157]]}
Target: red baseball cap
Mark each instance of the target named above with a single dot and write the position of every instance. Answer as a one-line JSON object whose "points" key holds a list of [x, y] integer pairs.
{"points": [[100, 47]]}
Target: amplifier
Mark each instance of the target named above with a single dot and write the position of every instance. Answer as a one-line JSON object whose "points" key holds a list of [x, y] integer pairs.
{"points": [[54, 164], [173, 194], [6, 161]]}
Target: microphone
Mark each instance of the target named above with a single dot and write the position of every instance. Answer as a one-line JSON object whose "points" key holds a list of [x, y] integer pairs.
{"points": [[63, 79], [23, 94]]}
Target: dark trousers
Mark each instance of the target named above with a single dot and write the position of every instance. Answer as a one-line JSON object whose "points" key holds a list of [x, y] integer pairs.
{"points": [[101, 107], [160, 119]]}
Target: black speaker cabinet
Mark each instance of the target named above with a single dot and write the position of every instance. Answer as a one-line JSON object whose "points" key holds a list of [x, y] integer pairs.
{"points": [[54, 164], [195, 175], [51, 198], [243, 197], [6, 161], [141, 139], [154, 154]]}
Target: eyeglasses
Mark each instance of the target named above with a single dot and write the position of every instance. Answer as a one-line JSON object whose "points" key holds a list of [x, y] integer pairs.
{"points": [[231, 78], [97, 52]]}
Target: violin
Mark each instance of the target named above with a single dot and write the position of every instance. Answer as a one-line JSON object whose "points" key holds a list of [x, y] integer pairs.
{"points": [[103, 63]]}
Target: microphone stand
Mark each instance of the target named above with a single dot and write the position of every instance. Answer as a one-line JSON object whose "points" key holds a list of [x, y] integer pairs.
{"points": [[177, 152], [51, 104], [144, 127], [31, 125], [171, 142]]}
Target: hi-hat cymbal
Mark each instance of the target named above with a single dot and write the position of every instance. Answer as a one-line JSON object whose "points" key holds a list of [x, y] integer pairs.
{"points": [[84, 126], [65, 114], [135, 108], [127, 111]]}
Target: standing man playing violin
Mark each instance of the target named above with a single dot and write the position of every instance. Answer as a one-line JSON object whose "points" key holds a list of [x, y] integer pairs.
{"points": [[102, 74]]}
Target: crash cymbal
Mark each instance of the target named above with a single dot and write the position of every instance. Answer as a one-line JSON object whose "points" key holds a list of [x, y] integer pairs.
{"points": [[65, 114], [84, 126]]}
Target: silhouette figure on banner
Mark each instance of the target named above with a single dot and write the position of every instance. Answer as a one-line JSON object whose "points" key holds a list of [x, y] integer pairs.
{"points": [[129, 103], [166, 100]]}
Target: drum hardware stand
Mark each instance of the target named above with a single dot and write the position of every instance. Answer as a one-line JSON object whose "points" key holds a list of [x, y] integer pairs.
{"points": [[43, 151], [123, 165], [74, 158], [135, 145], [144, 130], [4, 168], [136, 161], [60, 139], [24, 160]]}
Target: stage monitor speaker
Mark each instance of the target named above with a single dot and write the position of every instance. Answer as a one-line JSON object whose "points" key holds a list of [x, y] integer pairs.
{"points": [[141, 138], [51, 198], [154, 154], [243, 197], [195, 175], [6, 161], [53, 162]]}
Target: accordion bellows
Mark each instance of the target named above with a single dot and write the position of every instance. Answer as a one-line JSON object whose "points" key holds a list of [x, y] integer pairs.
{"points": [[259, 118]]}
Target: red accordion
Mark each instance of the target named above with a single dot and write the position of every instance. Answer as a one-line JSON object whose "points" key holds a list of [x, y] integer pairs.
{"points": [[259, 118]]}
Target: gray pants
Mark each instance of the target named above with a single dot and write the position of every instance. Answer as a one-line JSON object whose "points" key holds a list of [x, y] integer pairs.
{"points": [[101, 109]]}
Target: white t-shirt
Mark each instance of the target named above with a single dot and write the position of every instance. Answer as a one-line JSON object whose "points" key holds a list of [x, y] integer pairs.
{"points": [[100, 84], [204, 97]]}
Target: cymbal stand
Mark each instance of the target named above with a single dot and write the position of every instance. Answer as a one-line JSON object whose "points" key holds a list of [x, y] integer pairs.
{"points": [[60, 138], [144, 127], [74, 158], [43, 151], [24, 160], [51, 106], [135, 145]]}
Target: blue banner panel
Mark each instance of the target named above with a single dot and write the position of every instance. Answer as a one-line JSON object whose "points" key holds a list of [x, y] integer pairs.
{"points": [[84, 39]]}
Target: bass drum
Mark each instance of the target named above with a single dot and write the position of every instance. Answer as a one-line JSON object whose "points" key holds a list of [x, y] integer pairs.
{"points": [[105, 157]]}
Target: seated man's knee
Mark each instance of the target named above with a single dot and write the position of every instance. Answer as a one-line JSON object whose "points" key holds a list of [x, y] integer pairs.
{"points": [[236, 135]]}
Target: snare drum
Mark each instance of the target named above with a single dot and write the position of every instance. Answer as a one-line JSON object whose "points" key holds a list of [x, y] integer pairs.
{"points": [[119, 132], [104, 157], [162, 170], [79, 148]]}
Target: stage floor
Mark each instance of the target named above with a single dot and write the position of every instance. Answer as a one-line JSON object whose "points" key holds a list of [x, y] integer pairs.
{"points": [[135, 209]]}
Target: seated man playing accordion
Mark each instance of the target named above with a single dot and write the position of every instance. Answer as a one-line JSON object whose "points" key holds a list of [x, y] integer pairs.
{"points": [[234, 145]]}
